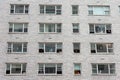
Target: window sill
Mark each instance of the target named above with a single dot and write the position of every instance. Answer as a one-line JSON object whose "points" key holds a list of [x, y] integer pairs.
{"points": [[100, 34], [99, 15], [50, 14], [49, 33], [17, 53], [103, 74], [77, 74], [15, 74], [49, 74], [50, 53], [19, 14], [18, 33], [75, 15], [102, 53]]}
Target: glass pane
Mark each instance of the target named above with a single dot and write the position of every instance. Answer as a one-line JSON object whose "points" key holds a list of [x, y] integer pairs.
{"points": [[50, 28], [100, 28], [76, 45], [17, 47], [77, 66], [18, 27], [41, 9], [101, 48], [93, 48], [19, 9], [75, 9], [98, 11], [16, 68], [12, 9], [26, 8], [50, 69], [10, 27], [58, 27], [103, 68], [50, 47], [91, 28], [50, 9], [41, 27], [108, 28], [41, 69], [24, 68]]}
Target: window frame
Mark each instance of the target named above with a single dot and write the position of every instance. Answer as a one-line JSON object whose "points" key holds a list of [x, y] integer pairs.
{"points": [[76, 50], [58, 29], [57, 49], [74, 25], [10, 49], [56, 9], [44, 70], [75, 12], [95, 51], [94, 25], [12, 28], [100, 6], [22, 66], [24, 8], [79, 71], [108, 66]]}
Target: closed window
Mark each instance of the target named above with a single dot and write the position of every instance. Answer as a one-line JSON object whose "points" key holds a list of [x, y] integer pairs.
{"points": [[100, 28], [19, 8], [50, 28], [75, 9], [103, 68], [17, 47], [75, 27], [50, 69], [18, 27], [15, 68], [50, 47], [104, 48], [99, 10], [50, 9], [77, 69], [76, 47]]}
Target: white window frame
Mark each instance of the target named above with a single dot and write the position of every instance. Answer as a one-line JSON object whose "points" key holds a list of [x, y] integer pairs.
{"points": [[56, 47], [105, 26], [109, 69], [24, 9], [10, 47], [44, 10], [56, 27], [56, 68], [106, 44], [91, 10], [23, 27], [21, 65]]}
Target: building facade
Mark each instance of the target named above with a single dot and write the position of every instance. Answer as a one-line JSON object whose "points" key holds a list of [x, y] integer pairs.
{"points": [[59, 39]]}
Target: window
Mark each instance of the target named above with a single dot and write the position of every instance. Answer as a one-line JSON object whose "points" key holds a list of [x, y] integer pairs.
{"points": [[101, 48], [76, 47], [19, 8], [100, 28], [50, 9], [17, 47], [50, 47], [18, 27], [99, 10], [75, 27], [75, 9], [15, 68], [77, 69], [103, 68], [50, 69], [50, 28]]}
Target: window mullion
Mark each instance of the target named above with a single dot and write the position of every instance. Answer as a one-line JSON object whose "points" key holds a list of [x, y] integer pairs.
{"points": [[22, 47], [105, 29], [44, 68], [107, 48], [55, 9], [108, 68], [94, 28], [44, 27], [56, 47], [55, 28], [24, 9], [56, 69], [21, 68], [14, 8], [23, 27], [95, 47], [10, 68], [11, 47], [44, 47], [45, 9], [97, 68], [13, 26]]}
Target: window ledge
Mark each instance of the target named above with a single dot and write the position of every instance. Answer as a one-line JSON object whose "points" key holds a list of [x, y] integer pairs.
{"points": [[77, 74], [102, 53], [19, 14], [75, 15], [51, 53], [100, 34], [15, 74], [18, 33], [17, 53], [50, 14], [99, 15], [103, 74], [49, 33], [49, 74]]}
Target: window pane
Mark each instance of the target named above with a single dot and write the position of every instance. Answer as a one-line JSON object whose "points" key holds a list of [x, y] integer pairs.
{"points": [[12, 9], [19, 9], [18, 27], [50, 47], [100, 28], [16, 68], [50, 68], [50, 28], [42, 9], [94, 68], [75, 28], [77, 69], [74, 9], [108, 28], [50, 9], [103, 68], [23, 68], [17, 47], [59, 47], [93, 48], [91, 28], [101, 48], [59, 68], [26, 8], [41, 27], [41, 69], [8, 69], [58, 27]]}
